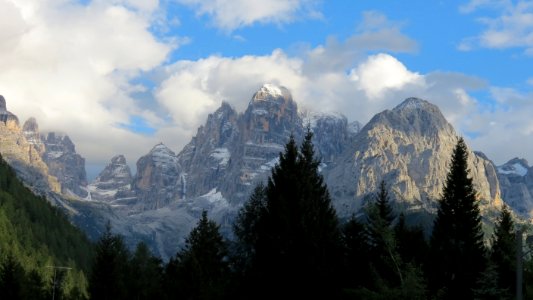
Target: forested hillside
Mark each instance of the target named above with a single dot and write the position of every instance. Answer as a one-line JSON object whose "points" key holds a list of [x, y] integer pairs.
{"points": [[38, 246]]}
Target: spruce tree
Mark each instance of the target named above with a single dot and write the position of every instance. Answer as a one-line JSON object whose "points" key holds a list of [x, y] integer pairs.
{"points": [[382, 241], [110, 268], [457, 250], [201, 267], [503, 252], [297, 252], [356, 253], [146, 274]]}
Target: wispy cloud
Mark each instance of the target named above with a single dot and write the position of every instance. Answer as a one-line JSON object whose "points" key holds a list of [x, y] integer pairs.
{"points": [[229, 15], [512, 28]]}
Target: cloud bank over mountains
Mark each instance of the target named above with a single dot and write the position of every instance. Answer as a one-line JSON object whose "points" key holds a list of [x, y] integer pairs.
{"points": [[81, 66]]}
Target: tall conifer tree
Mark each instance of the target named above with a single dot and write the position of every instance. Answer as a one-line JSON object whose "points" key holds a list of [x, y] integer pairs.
{"points": [[297, 252], [457, 250], [503, 252], [201, 266]]}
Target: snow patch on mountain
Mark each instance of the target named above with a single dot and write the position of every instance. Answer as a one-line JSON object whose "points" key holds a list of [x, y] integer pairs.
{"points": [[516, 168], [222, 155]]}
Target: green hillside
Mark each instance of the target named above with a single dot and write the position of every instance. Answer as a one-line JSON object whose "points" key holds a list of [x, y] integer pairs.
{"points": [[35, 239]]}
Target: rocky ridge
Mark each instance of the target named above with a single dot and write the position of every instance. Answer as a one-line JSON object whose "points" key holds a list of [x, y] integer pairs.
{"points": [[24, 155], [113, 183], [65, 164], [409, 147], [516, 181]]}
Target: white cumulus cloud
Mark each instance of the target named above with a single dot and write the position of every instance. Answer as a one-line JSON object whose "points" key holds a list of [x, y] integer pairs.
{"points": [[71, 65]]}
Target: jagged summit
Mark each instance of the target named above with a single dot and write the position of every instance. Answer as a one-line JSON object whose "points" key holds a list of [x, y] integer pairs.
{"points": [[269, 91], [3, 106], [31, 125], [118, 160], [6, 116], [413, 116], [161, 150], [516, 166], [414, 103]]}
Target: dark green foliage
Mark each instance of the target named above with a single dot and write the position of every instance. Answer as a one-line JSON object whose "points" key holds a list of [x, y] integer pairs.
{"points": [[36, 235], [503, 253], [297, 248], [145, 275], [246, 228], [410, 242], [108, 276], [200, 270], [357, 267], [12, 277], [457, 251], [383, 256], [488, 287]]}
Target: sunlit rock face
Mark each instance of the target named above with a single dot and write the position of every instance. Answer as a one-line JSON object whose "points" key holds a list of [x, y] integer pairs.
{"points": [[410, 148], [24, 155]]}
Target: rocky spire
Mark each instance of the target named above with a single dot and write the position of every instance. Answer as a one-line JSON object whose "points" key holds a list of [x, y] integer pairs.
{"points": [[30, 129], [3, 106], [9, 119], [31, 125]]}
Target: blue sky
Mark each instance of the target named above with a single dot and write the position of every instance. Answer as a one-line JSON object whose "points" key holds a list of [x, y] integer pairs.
{"points": [[120, 76]]}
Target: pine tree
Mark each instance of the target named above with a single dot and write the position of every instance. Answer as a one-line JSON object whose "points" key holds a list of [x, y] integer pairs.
{"points": [[298, 241], [457, 250], [146, 274], [246, 226], [356, 254], [410, 242], [201, 267], [110, 267], [12, 277], [382, 242], [503, 250]]}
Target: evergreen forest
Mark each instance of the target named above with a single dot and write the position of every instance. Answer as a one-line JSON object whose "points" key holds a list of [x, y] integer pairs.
{"points": [[288, 244]]}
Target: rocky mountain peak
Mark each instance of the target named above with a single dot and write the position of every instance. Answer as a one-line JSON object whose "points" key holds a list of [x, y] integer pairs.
{"points": [[409, 147], [113, 182], [31, 125], [413, 117], [118, 160], [3, 106], [30, 129], [413, 103], [516, 166], [10, 120], [65, 164], [270, 91], [158, 181], [161, 154]]}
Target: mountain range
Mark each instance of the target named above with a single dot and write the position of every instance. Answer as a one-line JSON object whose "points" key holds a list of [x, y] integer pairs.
{"points": [[408, 146]]}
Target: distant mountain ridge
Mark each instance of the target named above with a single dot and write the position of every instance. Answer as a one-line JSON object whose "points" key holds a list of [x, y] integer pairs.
{"points": [[409, 147]]}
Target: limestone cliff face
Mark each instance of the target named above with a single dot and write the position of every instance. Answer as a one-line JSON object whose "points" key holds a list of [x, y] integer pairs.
{"points": [[205, 160], [410, 148], [516, 180], [113, 184], [22, 155], [159, 179], [65, 164]]}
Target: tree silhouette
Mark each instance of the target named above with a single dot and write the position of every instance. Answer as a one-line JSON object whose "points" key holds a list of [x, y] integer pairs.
{"points": [[297, 251], [110, 267], [457, 249], [201, 268], [503, 252]]}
